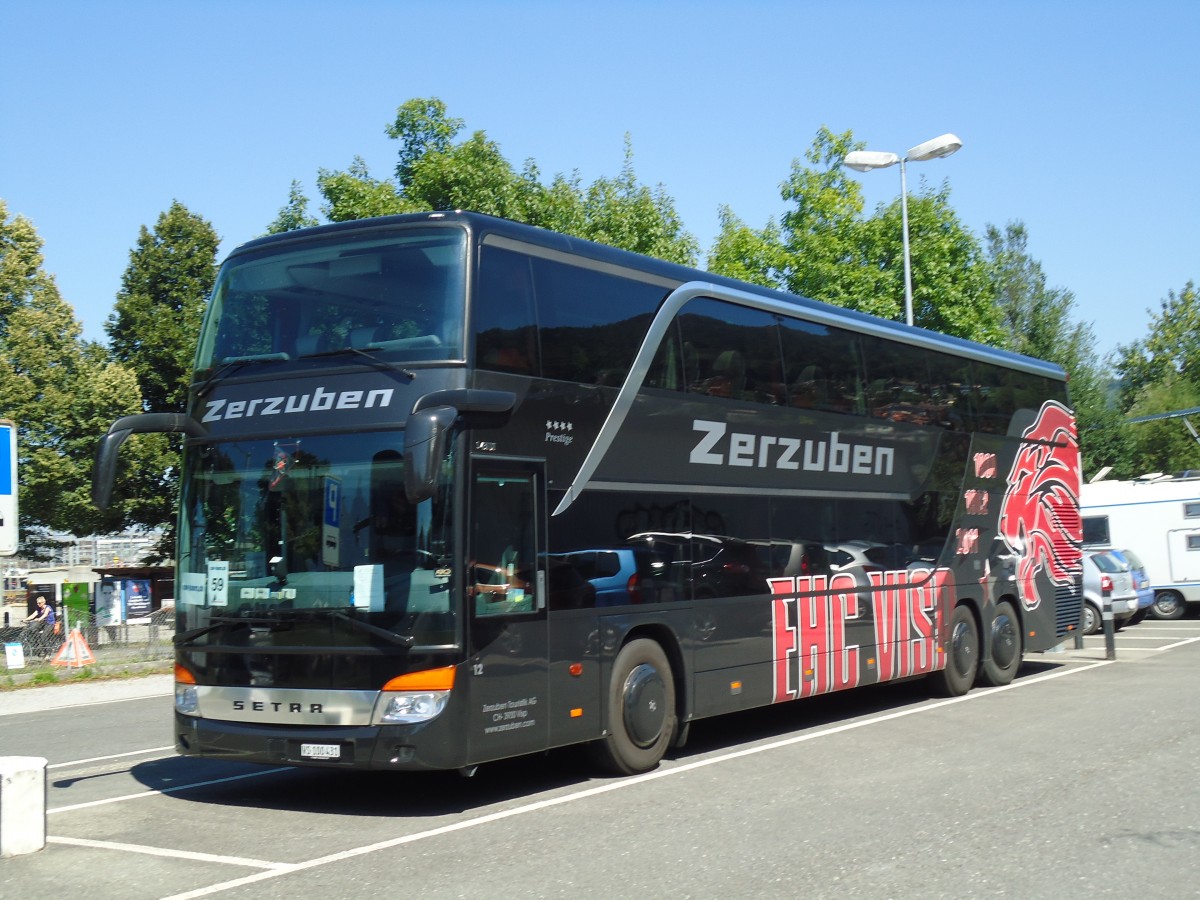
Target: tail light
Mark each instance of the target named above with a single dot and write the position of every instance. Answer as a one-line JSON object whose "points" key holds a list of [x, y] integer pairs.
{"points": [[1106, 585], [634, 588]]}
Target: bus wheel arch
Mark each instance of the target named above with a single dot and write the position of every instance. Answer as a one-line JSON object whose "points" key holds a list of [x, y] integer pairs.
{"points": [[1003, 645], [641, 714], [962, 653]]}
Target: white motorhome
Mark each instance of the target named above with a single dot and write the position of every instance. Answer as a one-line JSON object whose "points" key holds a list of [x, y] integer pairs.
{"points": [[1159, 517]]}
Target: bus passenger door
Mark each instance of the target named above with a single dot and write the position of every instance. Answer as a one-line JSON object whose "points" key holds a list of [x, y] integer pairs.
{"points": [[507, 600]]}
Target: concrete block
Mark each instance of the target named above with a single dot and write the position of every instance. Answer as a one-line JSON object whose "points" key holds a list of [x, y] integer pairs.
{"points": [[22, 805]]}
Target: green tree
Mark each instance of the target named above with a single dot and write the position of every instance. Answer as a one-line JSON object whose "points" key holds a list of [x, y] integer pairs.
{"points": [[741, 252], [823, 232], [153, 332], [435, 170], [1171, 351], [827, 249], [161, 302], [354, 194], [294, 214], [421, 126], [952, 292], [1165, 445], [1039, 321], [62, 393]]}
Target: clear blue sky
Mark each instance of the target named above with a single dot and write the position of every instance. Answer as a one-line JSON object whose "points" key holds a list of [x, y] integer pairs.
{"points": [[1076, 118]]}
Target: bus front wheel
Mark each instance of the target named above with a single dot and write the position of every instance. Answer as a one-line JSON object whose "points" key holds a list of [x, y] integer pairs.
{"points": [[1004, 647], [641, 710], [962, 655]]}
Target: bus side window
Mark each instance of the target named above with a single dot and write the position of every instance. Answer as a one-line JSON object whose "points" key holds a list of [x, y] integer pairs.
{"points": [[505, 329], [822, 367], [666, 372], [732, 351]]}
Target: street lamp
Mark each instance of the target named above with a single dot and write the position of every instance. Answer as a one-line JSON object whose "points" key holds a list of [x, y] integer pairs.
{"points": [[866, 160]]}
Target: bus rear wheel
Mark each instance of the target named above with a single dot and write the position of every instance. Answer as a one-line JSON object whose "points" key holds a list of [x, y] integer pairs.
{"points": [[1004, 647], [962, 655], [641, 710]]}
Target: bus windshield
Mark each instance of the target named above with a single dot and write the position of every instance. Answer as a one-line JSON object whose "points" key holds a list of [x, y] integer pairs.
{"points": [[400, 294], [283, 527]]}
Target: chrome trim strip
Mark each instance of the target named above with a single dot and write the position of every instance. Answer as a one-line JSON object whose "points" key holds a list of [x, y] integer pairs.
{"points": [[285, 706]]}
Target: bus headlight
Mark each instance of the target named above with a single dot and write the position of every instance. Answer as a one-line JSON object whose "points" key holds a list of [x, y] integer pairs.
{"points": [[410, 707], [416, 696], [186, 701]]}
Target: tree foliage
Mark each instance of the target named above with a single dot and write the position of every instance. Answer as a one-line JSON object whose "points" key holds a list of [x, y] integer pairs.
{"points": [[1039, 321], [153, 333], [827, 248], [61, 392], [293, 214], [1161, 374], [435, 170], [160, 305]]}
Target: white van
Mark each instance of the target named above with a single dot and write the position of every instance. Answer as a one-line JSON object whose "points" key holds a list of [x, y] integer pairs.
{"points": [[1158, 516]]}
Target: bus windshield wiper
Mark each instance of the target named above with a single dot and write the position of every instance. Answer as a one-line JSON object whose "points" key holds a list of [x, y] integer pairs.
{"points": [[187, 637], [404, 640], [378, 363], [232, 363]]}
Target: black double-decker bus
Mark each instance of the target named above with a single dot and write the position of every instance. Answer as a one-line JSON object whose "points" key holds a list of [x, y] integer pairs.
{"points": [[456, 489]]}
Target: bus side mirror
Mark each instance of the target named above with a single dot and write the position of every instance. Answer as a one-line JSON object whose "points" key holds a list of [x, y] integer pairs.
{"points": [[425, 436], [428, 429], [105, 471]]}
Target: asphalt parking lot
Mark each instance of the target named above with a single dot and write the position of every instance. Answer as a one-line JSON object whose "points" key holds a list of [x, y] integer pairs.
{"points": [[883, 792]]}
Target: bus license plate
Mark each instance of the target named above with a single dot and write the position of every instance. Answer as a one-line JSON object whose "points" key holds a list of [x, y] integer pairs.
{"points": [[320, 751]]}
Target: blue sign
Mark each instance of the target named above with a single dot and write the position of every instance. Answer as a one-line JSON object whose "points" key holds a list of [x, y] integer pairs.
{"points": [[8, 488], [333, 502], [8, 458]]}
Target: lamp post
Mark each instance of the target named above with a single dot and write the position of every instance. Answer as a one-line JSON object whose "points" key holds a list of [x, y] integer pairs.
{"points": [[866, 160]]}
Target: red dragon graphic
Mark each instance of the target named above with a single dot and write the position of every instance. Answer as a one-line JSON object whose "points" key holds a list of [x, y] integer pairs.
{"points": [[1039, 515]]}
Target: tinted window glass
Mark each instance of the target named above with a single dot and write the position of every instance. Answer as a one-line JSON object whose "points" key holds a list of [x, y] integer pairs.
{"points": [[731, 351], [1031, 391], [592, 322], [1095, 530], [400, 294], [822, 367], [950, 381], [992, 398], [666, 372], [898, 386], [505, 325]]}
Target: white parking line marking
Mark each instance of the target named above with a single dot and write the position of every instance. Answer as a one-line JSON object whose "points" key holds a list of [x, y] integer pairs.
{"points": [[83, 762], [632, 781], [173, 854], [1182, 643], [171, 790]]}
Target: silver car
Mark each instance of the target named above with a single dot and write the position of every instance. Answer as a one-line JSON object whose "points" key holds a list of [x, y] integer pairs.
{"points": [[1104, 575]]}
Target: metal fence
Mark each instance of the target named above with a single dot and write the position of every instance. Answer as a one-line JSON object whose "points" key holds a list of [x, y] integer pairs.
{"points": [[87, 643]]}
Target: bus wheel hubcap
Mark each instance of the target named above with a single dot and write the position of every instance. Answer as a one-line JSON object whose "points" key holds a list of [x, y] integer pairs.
{"points": [[645, 705]]}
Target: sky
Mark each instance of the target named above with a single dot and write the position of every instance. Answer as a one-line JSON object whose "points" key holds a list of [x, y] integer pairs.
{"points": [[1075, 118]]}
